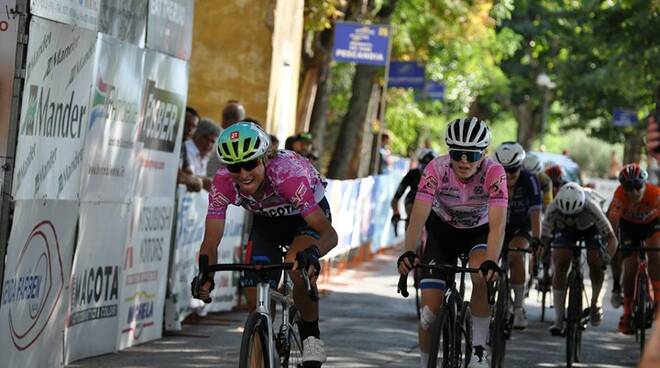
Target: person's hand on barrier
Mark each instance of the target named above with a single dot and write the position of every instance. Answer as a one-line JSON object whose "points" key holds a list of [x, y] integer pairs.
{"points": [[407, 261]]}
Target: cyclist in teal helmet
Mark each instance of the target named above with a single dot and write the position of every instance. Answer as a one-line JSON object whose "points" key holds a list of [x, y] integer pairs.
{"points": [[286, 195]]}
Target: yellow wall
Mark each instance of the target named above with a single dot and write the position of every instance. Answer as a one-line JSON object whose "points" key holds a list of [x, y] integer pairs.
{"points": [[247, 50]]}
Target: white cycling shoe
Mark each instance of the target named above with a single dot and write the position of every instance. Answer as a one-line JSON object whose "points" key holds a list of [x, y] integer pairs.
{"points": [[520, 319], [313, 352], [480, 357]]}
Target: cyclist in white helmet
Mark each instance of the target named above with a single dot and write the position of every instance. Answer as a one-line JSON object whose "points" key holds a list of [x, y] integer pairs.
{"points": [[462, 200], [573, 216], [524, 221], [532, 163]]}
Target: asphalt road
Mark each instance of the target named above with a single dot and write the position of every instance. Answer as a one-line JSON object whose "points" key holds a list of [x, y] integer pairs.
{"points": [[364, 323]]}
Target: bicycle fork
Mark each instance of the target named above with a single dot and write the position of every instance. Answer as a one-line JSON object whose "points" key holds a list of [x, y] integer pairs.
{"points": [[263, 308]]}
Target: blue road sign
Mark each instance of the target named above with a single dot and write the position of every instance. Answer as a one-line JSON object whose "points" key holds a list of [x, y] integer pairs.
{"points": [[434, 90], [623, 118], [406, 74], [361, 43]]}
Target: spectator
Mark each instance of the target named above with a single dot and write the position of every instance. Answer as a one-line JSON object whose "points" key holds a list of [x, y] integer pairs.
{"points": [[290, 142], [615, 166], [274, 145], [653, 138], [185, 174], [200, 147], [233, 112], [384, 154]]}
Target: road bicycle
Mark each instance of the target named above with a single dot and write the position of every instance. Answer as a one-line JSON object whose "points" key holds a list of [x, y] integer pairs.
{"points": [[451, 332], [259, 331], [502, 316]]}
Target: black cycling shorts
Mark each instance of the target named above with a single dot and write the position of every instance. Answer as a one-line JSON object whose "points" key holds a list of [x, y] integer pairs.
{"points": [[266, 237], [571, 235], [514, 230], [633, 234], [444, 245]]}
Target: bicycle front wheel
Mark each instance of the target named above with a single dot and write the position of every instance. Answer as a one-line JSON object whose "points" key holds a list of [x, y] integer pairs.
{"points": [[499, 325], [440, 352], [640, 310], [254, 343], [463, 338], [292, 357], [573, 321]]}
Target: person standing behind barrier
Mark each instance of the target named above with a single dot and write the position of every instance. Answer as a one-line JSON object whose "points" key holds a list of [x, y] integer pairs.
{"points": [[384, 154], [185, 174], [199, 149], [232, 113]]}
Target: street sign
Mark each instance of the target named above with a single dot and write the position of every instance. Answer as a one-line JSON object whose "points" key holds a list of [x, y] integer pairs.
{"points": [[361, 43], [434, 90], [623, 118], [406, 74]]}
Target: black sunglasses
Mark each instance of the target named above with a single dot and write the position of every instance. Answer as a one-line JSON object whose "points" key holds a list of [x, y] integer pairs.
{"points": [[512, 170], [470, 156], [628, 186], [247, 166]]}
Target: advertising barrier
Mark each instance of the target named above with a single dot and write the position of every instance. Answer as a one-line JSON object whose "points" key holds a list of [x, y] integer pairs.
{"points": [[83, 14], [126, 20], [8, 35], [169, 27], [54, 112], [35, 293]]}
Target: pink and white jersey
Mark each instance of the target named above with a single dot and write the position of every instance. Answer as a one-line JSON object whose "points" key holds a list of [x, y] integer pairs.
{"points": [[463, 205], [292, 186]]}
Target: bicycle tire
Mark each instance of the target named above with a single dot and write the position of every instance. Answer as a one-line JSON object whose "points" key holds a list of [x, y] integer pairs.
{"points": [[544, 291], [463, 338], [640, 310], [441, 336], [292, 358], [255, 328], [573, 316], [498, 333]]}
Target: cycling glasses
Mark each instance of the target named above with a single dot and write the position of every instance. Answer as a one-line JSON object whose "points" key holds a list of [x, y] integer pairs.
{"points": [[512, 170], [470, 156], [631, 185], [247, 166]]}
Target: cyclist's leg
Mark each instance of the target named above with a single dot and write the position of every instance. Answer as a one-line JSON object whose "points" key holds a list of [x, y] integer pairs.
{"points": [[653, 241], [260, 249], [595, 251], [477, 240], [517, 266], [561, 260]]}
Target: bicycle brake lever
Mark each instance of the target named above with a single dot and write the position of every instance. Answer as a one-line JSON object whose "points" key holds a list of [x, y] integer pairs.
{"points": [[402, 288], [311, 289]]}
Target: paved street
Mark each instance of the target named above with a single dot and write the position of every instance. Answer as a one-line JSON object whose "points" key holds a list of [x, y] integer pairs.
{"points": [[366, 324]]}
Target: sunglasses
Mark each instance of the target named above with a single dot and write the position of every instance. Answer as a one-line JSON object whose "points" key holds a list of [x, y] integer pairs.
{"points": [[470, 156], [512, 170], [247, 166], [631, 185]]}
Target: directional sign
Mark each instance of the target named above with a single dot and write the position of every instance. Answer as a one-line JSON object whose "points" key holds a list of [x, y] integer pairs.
{"points": [[361, 43], [623, 118], [406, 74], [434, 90]]}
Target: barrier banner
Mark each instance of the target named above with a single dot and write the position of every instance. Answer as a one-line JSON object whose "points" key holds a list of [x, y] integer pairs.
{"points": [[160, 124], [366, 206], [126, 20], [8, 36], [144, 271], [35, 293], [169, 27], [80, 13], [110, 155], [55, 111], [225, 294], [342, 196], [95, 281]]}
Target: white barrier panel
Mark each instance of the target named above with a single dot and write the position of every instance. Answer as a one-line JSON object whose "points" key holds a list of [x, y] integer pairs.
{"points": [[55, 111], [110, 158], [8, 34], [35, 293], [225, 294], [161, 124], [169, 27], [126, 20], [604, 187], [96, 280], [144, 276], [75, 12]]}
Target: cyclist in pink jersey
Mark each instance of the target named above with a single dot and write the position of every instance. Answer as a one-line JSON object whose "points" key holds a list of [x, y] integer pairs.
{"points": [[462, 199], [286, 195]]}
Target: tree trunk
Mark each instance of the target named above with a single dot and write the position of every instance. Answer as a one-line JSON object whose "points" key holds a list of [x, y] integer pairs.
{"points": [[528, 124], [634, 146], [360, 166], [363, 83]]}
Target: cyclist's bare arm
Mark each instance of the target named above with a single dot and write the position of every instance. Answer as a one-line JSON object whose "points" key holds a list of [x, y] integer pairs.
{"points": [[327, 234], [496, 225], [420, 212], [212, 235], [535, 217]]}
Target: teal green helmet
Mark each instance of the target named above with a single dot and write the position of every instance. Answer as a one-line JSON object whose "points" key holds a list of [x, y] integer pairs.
{"points": [[243, 141]]}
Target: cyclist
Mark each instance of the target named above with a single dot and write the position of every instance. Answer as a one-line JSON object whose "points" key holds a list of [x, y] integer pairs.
{"points": [[532, 163], [557, 177], [410, 180], [287, 197], [524, 214], [634, 211], [574, 216], [462, 199]]}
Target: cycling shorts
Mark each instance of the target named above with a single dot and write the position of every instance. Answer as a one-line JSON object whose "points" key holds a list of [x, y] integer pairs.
{"points": [[444, 245], [633, 234], [514, 230], [571, 235], [266, 237]]}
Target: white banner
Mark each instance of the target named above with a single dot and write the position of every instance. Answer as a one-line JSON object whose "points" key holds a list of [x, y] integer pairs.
{"points": [[225, 294], [35, 293], [8, 34], [95, 280], [55, 111], [82, 13], [145, 271], [110, 158], [160, 126], [169, 27], [126, 20]]}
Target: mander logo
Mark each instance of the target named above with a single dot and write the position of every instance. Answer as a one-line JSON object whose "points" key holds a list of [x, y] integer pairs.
{"points": [[33, 292]]}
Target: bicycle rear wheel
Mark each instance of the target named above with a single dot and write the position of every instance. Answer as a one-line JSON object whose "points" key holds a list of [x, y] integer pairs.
{"points": [[499, 324], [292, 357], [441, 350], [573, 320], [640, 310], [254, 343]]}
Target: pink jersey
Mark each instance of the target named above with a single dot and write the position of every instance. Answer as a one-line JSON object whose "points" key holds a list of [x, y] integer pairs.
{"points": [[292, 186], [463, 205]]}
